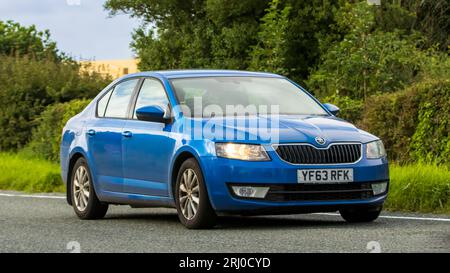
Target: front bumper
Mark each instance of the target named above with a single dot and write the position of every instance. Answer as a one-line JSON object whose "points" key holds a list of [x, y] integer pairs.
{"points": [[220, 173]]}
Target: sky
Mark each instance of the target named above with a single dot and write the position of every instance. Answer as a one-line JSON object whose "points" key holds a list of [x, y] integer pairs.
{"points": [[81, 28]]}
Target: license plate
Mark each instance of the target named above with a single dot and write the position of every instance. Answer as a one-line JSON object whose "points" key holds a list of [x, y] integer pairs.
{"points": [[325, 176]]}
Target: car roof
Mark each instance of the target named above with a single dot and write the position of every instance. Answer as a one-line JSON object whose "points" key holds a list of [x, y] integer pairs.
{"points": [[173, 74]]}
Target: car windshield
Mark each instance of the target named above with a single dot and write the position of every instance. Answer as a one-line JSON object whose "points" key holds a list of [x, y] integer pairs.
{"points": [[231, 96]]}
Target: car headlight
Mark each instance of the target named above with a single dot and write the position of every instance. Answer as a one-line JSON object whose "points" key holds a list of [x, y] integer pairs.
{"points": [[248, 152], [375, 149]]}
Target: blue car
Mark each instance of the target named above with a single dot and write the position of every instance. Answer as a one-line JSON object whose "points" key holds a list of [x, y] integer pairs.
{"points": [[215, 142]]}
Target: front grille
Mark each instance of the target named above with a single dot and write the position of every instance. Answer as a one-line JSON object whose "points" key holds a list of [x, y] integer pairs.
{"points": [[319, 192], [307, 154]]}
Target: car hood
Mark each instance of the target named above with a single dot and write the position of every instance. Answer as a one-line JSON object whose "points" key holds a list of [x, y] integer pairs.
{"points": [[285, 129]]}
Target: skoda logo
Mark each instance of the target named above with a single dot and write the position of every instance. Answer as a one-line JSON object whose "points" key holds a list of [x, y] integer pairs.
{"points": [[320, 140]]}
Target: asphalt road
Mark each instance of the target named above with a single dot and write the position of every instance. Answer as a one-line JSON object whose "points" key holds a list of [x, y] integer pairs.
{"points": [[47, 224]]}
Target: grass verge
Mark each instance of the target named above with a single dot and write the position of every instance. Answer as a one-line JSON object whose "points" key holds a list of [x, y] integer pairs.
{"points": [[419, 188], [29, 174]]}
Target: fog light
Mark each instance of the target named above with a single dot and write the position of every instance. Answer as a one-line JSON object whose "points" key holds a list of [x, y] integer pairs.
{"points": [[250, 192], [379, 188]]}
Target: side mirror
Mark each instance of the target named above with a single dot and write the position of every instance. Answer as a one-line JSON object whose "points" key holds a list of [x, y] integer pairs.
{"points": [[333, 109], [153, 113]]}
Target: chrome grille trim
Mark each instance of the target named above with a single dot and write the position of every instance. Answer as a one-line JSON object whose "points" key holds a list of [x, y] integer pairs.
{"points": [[343, 153]]}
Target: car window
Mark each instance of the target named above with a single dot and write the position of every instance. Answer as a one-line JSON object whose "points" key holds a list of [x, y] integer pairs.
{"points": [[120, 98], [275, 95], [152, 93], [101, 105]]}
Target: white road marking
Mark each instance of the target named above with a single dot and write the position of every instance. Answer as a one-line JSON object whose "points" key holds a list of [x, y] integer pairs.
{"points": [[398, 217], [327, 214], [32, 196]]}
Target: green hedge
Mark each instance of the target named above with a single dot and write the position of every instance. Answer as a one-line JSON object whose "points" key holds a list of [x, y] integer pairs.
{"points": [[28, 86], [46, 137], [350, 109], [413, 123]]}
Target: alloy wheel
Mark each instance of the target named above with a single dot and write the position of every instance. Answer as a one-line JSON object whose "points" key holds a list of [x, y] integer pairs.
{"points": [[189, 194], [81, 188]]}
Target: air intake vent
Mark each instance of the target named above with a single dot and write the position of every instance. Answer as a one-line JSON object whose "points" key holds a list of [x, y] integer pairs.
{"points": [[307, 154], [319, 192]]}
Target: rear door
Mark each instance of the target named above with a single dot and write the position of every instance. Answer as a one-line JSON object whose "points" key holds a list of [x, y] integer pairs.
{"points": [[148, 147], [105, 135]]}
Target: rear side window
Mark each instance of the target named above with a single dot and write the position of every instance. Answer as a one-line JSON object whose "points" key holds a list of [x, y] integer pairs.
{"points": [[101, 105], [118, 103]]}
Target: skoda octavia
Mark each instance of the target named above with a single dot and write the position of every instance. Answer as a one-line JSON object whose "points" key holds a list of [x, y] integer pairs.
{"points": [[210, 143]]}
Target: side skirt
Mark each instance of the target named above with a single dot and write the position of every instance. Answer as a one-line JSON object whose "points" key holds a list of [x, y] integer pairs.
{"points": [[136, 200]]}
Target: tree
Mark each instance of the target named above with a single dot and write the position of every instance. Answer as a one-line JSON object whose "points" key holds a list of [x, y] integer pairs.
{"points": [[17, 40], [228, 33], [431, 18], [290, 36], [33, 75], [235, 26], [367, 60], [349, 46], [309, 32], [193, 34], [270, 52], [28, 86]]}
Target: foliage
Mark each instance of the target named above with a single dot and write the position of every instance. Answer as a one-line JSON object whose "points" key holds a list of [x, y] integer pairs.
{"points": [[288, 40], [419, 188], [360, 49], [27, 86], [192, 34], [431, 18], [17, 40], [384, 63], [269, 54], [29, 174], [229, 34], [233, 30], [392, 117], [392, 15], [431, 140], [350, 109], [367, 61], [46, 138], [413, 123]]}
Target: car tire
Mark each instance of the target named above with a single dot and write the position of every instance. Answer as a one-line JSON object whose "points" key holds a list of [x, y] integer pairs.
{"points": [[84, 199], [361, 215], [191, 197]]}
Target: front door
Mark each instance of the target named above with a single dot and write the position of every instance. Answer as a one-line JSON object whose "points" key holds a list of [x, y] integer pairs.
{"points": [[147, 146]]}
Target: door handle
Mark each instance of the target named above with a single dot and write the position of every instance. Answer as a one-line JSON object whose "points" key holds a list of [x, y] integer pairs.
{"points": [[127, 134], [91, 132]]}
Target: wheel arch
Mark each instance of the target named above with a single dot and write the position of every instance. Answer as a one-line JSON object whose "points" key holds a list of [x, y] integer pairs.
{"points": [[72, 160], [181, 156]]}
